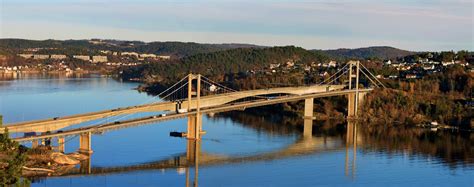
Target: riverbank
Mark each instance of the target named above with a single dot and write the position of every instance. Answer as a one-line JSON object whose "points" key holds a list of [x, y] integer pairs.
{"points": [[18, 161], [44, 161]]}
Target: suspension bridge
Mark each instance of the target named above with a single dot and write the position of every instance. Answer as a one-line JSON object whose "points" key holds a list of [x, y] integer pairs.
{"points": [[196, 95]]}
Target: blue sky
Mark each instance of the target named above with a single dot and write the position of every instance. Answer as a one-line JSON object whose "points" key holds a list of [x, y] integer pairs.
{"points": [[418, 25]]}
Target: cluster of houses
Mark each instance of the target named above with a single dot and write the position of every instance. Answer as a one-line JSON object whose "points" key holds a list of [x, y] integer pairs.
{"points": [[97, 58], [405, 70], [38, 67], [290, 65], [420, 68], [139, 56], [93, 59]]}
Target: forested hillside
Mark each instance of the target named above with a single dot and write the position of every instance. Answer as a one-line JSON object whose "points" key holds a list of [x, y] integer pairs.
{"points": [[223, 63], [70, 47], [381, 53]]}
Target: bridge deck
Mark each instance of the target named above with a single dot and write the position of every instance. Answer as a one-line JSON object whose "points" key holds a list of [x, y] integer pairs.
{"points": [[53, 124], [222, 108]]}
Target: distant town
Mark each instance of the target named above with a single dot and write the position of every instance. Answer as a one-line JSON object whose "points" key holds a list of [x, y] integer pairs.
{"points": [[108, 55]]}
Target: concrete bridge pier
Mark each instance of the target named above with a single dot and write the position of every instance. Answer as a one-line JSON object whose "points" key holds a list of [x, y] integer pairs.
{"points": [[308, 128], [353, 102], [351, 105], [194, 127], [308, 108], [61, 144], [85, 143]]}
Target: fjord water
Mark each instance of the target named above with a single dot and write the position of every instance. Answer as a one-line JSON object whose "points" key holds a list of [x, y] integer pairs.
{"points": [[239, 149]]}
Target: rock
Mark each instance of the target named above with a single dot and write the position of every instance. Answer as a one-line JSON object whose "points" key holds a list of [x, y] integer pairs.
{"points": [[64, 159]]}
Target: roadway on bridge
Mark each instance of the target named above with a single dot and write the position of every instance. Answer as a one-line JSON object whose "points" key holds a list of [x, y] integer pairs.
{"points": [[57, 123], [154, 119]]}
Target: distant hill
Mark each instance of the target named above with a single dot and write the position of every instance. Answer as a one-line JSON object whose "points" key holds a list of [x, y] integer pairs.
{"points": [[378, 52], [230, 61], [178, 49]]}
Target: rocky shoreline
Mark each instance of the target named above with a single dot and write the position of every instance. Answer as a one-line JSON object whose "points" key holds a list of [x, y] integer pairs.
{"points": [[43, 161]]}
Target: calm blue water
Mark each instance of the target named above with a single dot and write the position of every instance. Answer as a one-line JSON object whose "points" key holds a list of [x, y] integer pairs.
{"points": [[247, 155]]}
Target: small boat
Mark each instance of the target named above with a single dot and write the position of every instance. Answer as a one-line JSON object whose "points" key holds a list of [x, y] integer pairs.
{"points": [[177, 134], [434, 126]]}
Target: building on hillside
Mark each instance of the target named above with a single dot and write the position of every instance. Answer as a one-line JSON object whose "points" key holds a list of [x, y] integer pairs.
{"points": [[213, 88], [129, 54], [96, 59], [40, 57], [164, 57], [147, 56], [26, 55], [82, 57], [58, 57], [273, 66], [290, 64], [448, 63], [411, 76], [428, 67], [332, 63]]}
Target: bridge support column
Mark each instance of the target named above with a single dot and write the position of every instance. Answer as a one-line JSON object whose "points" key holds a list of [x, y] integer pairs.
{"points": [[194, 127], [61, 143], [351, 105], [85, 143], [308, 128], [353, 101], [308, 108]]}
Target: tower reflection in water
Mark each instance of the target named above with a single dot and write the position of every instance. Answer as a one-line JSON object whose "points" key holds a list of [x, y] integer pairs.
{"points": [[307, 144], [192, 155], [194, 150], [351, 139]]}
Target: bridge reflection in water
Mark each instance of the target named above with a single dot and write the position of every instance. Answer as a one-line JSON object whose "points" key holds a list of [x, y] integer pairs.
{"points": [[190, 161]]}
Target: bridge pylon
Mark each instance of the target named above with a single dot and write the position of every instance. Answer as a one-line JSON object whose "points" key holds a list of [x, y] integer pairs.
{"points": [[194, 120], [353, 98]]}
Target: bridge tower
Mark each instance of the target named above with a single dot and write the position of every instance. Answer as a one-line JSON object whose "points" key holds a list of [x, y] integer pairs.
{"points": [[194, 120], [353, 99]]}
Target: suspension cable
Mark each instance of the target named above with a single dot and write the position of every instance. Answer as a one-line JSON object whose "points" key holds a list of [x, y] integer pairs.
{"points": [[372, 75], [333, 74]]}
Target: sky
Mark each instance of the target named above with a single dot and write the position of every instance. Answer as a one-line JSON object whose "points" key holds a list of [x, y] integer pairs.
{"points": [[417, 25]]}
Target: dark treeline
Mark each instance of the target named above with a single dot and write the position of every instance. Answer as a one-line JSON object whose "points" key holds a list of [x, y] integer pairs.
{"points": [[380, 53], [85, 47], [445, 97]]}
